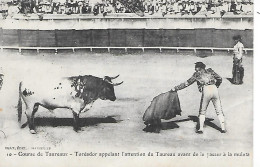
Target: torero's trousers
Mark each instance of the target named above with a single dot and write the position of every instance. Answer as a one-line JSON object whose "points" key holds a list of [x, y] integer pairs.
{"points": [[210, 93], [237, 71]]}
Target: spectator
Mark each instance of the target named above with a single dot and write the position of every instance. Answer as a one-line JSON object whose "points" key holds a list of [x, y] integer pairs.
{"points": [[13, 9], [118, 7], [96, 10], [180, 7], [226, 6], [101, 8], [183, 8], [170, 7], [198, 4], [193, 8], [187, 8], [55, 8], [203, 10], [61, 9], [151, 9], [4, 10], [239, 9], [216, 9], [163, 7], [248, 8], [157, 7], [146, 7], [176, 7], [110, 9], [233, 7]]}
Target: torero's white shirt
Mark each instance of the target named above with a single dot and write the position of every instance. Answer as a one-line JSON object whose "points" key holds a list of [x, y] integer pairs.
{"points": [[238, 50]]}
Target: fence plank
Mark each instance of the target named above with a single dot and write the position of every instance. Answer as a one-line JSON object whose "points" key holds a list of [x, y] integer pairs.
{"points": [[221, 38], [248, 38], [46, 38], [28, 38], [187, 37], [65, 38], [215, 38], [134, 37], [10, 37], [152, 37], [100, 37], [83, 38], [204, 37], [1, 36], [117, 37], [170, 38]]}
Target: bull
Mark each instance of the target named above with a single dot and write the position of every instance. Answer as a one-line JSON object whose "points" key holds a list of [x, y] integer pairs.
{"points": [[77, 93]]}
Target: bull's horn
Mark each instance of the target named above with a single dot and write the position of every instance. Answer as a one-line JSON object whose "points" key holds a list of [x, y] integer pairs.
{"points": [[116, 84], [114, 77]]}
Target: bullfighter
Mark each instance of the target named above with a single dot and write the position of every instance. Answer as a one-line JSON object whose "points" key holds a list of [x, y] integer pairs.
{"points": [[208, 82]]}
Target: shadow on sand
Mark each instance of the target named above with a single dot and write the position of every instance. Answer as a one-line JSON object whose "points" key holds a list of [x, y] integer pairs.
{"points": [[89, 121], [174, 125], [208, 122], [230, 80]]}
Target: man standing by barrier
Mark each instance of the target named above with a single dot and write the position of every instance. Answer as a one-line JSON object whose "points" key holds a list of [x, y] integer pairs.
{"points": [[1, 78], [208, 81], [238, 69]]}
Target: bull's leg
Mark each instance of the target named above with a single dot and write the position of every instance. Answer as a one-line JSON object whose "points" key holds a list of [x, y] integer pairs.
{"points": [[30, 118], [76, 121], [158, 125]]}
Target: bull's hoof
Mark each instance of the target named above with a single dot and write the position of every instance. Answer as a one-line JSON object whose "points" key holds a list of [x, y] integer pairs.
{"points": [[148, 128], [157, 130], [32, 131]]}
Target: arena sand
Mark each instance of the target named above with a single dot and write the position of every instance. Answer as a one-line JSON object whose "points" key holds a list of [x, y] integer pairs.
{"points": [[117, 126]]}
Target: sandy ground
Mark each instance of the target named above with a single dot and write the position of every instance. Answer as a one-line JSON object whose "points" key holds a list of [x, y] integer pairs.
{"points": [[118, 126]]}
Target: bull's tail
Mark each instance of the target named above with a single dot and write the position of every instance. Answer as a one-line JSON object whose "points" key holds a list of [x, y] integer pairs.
{"points": [[19, 105]]}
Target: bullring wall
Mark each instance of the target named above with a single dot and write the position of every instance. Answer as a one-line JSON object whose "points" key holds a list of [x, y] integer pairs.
{"points": [[206, 37]]}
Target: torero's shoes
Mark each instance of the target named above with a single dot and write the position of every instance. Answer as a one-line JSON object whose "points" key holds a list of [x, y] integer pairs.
{"points": [[223, 131], [201, 124], [199, 131]]}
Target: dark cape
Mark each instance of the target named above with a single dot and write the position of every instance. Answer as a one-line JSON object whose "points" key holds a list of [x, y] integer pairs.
{"points": [[164, 106]]}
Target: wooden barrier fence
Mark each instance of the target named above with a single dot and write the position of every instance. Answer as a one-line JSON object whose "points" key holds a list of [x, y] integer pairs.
{"points": [[123, 38]]}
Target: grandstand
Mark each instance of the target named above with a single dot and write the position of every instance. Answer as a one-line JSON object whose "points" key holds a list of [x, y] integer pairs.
{"points": [[135, 29], [140, 7]]}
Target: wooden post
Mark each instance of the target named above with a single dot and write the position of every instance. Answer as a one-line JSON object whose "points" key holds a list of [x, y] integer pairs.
{"points": [[38, 39], [56, 39], [19, 38]]}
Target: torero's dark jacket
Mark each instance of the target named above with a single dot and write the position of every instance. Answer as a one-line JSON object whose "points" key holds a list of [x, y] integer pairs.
{"points": [[209, 77]]}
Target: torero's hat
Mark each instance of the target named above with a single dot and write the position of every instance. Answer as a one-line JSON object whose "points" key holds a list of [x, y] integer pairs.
{"points": [[237, 37], [200, 64]]}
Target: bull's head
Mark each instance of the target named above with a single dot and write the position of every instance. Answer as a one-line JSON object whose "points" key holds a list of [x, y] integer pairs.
{"points": [[107, 88]]}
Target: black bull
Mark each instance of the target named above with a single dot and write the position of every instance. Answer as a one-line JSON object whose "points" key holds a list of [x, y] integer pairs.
{"points": [[76, 93]]}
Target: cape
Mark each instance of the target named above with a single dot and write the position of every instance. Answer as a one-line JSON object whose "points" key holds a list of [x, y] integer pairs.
{"points": [[164, 106]]}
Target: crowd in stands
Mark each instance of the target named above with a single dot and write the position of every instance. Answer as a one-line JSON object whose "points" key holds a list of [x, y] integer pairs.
{"points": [[146, 7]]}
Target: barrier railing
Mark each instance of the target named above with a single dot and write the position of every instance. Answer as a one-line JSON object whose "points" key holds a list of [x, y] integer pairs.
{"points": [[124, 16], [195, 49], [83, 22]]}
